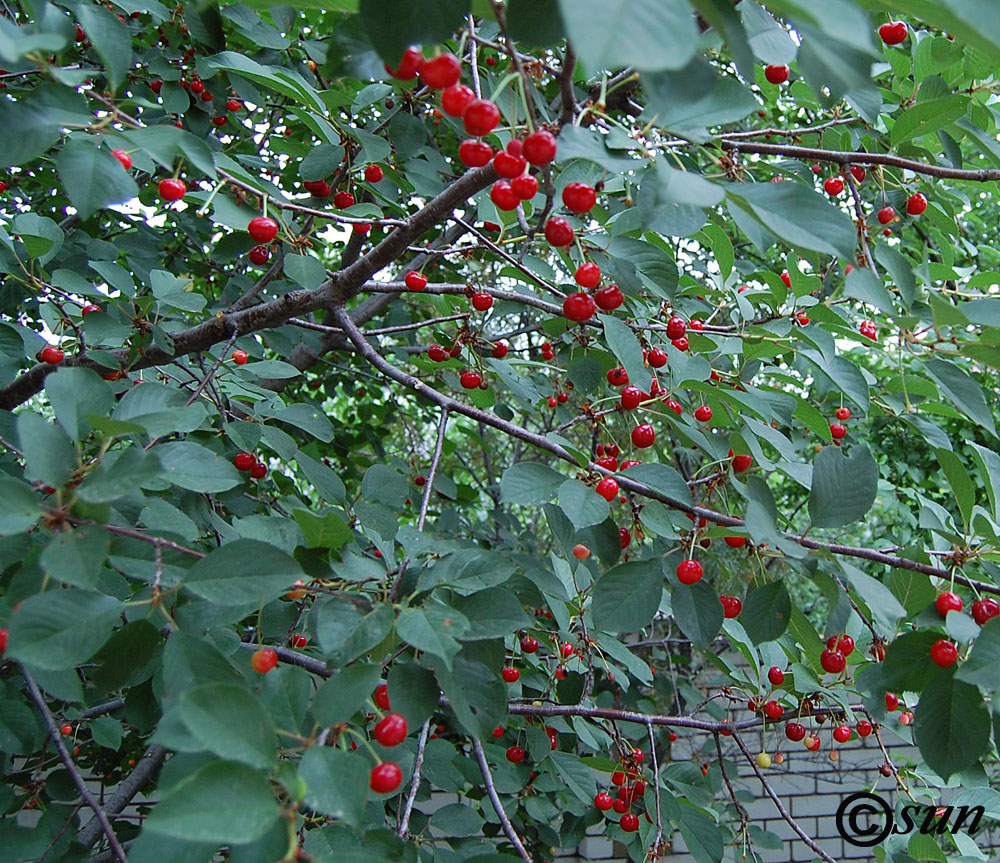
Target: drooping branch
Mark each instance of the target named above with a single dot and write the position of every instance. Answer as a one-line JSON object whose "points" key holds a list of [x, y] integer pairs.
{"points": [[491, 791], [418, 763]]}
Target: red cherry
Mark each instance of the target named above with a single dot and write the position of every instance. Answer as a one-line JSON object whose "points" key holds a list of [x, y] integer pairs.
{"points": [[470, 380], [262, 229], [886, 215], [916, 204], [681, 344], [415, 281], [515, 754], [441, 71], [629, 822], [736, 541], [631, 397], [775, 675], [374, 174], [703, 413], [689, 571], [731, 605], [893, 32], [156, 86], [481, 301], [233, 105], [740, 462], [385, 778], [560, 673], [618, 377], [578, 307], [773, 710], [675, 406], [456, 98], [208, 97], [264, 660], [579, 197], [240, 357], [832, 661], [837, 431], [948, 601], [891, 701], [503, 195], [624, 537], [525, 187], [221, 120], [813, 742], [392, 730], [676, 328], [318, 188], [259, 255], [657, 358], [51, 355], [3, 641], [126, 159], [499, 350], [859, 174], [481, 117], [609, 298], [794, 731], [539, 148], [984, 609], [172, 189], [529, 644], [197, 86], [608, 488], [845, 644], [408, 64], [776, 74], [382, 696], [643, 436], [558, 231], [244, 461], [944, 653], [843, 413], [342, 200], [87, 309], [474, 154], [588, 275], [834, 186], [508, 165], [259, 470], [603, 801], [842, 733], [299, 640]]}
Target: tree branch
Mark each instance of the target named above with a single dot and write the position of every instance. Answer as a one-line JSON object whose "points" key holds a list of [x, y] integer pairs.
{"points": [[404, 815], [491, 790]]}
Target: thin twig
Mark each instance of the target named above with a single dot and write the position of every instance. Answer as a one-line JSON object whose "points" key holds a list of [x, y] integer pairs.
{"points": [[862, 223], [656, 789], [473, 60], [404, 815], [211, 372], [429, 485], [491, 790]]}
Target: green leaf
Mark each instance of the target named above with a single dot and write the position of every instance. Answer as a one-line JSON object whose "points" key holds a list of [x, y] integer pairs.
{"points": [[962, 388], [769, 40], [529, 483], [384, 485], [304, 270], [49, 454], [576, 142], [989, 474], [323, 531], [701, 835], [42, 237], [583, 506], [648, 34], [413, 691], [393, 25], [923, 118], [908, 665], [861, 284], [229, 722], [434, 629], [685, 187], [698, 612], [766, 612], [900, 269], [328, 485], [19, 508], [885, 608], [661, 478], [625, 346], [77, 556], [952, 724], [575, 774], [125, 655], [196, 468], [982, 668], [245, 572], [627, 596], [477, 695], [92, 177], [843, 489], [74, 393], [340, 697], [798, 215], [457, 819], [61, 629], [223, 802], [110, 38], [960, 482], [336, 783], [308, 418], [492, 613]]}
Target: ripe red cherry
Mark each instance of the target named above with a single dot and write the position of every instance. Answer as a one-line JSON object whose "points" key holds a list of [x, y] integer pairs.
{"points": [[837, 431], [775, 675], [156, 86], [126, 160], [509, 674], [843, 643], [867, 329], [608, 488], [886, 215], [374, 173], [343, 200], [382, 696], [578, 307], [891, 701], [51, 355], [813, 742], [631, 397], [3, 641], [481, 117], [703, 413], [984, 609], [317, 188], [864, 728], [481, 301], [741, 462], [456, 98], [643, 436], [834, 186], [197, 86], [948, 601], [385, 778], [515, 754], [675, 406], [503, 195], [588, 275], [731, 606], [529, 644], [508, 165], [499, 350], [842, 734], [944, 653], [859, 174], [773, 710], [470, 380], [87, 309], [657, 358], [415, 281], [832, 661], [676, 328], [776, 74], [567, 650], [263, 660], [240, 357], [299, 640], [539, 148], [259, 470], [893, 32], [474, 154], [441, 71], [689, 571], [558, 231], [629, 822], [843, 413], [603, 801], [392, 730], [916, 204], [172, 189], [787, 279], [579, 197], [617, 377], [262, 229], [525, 187], [244, 461], [624, 537], [609, 298], [233, 105], [220, 120], [794, 731], [736, 541], [259, 255], [681, 344], [437, 353], [408, 65]]}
